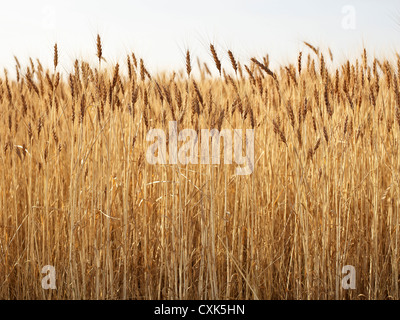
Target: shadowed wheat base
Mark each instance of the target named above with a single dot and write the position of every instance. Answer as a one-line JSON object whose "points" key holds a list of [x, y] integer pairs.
{"points": [[76, 191]]}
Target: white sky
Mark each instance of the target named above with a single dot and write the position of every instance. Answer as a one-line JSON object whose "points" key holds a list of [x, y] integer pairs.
{"points": [[161, 31]]}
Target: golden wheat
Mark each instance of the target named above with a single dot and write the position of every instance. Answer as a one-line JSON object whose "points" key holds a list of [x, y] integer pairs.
{"points": [[76, 191]]}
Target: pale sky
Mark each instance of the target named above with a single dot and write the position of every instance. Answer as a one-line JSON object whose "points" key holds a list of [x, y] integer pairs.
{"points": [[161, 31]]}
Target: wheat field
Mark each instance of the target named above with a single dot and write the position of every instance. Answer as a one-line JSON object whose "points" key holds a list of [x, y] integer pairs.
{"points": [[77, 193]]}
